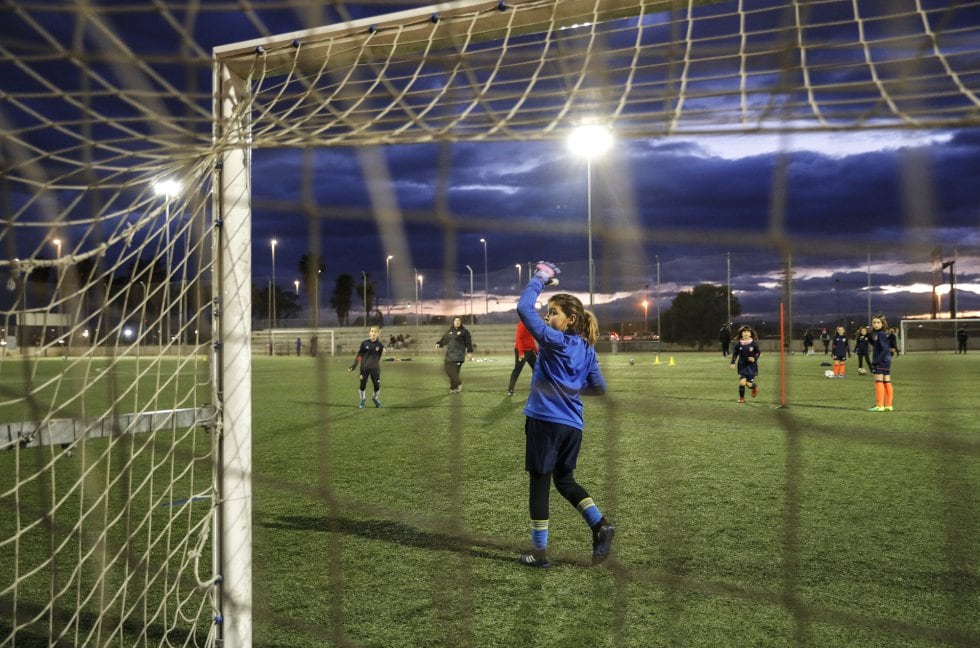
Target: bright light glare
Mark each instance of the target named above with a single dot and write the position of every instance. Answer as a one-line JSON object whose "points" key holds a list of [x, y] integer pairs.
{"points": [[590, 140], [168, 188]]}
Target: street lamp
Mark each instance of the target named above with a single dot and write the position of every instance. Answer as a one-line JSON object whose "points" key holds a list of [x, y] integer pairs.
{"points": [[416, 282], [518, 266], [364, 288], [472, 315], [169, 190], [57, 280], [296, 286], [588, 141], [272, 301], [388, 283], [646, 312], [658, 305], [486, 289], [421, 295]]}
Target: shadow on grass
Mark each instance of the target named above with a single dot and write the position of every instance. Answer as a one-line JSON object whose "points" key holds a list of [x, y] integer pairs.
{"points": [[399, 533]]}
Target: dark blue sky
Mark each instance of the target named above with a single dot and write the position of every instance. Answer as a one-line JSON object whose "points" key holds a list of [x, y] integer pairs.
{"points": [[690, 204]]}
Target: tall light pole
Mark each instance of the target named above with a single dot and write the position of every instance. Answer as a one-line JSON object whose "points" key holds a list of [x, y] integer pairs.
{"points": [[388, 283], [869, 285], [518, 266], [296, 286], [658, 304], [272, 301], [169, 190], [364, 296], [316, 302], [57, 282], [486, 283], [472, 314], [646, 315], [728, 297], [837, 291], [589, 141], [416, 297]]}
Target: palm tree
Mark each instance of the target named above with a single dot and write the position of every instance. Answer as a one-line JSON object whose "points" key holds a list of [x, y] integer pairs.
{"points": [[310, 269]]}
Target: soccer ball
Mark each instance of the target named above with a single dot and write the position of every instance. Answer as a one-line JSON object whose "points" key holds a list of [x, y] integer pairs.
{"points": [[862, 371], [632, 362], [828, 374]]}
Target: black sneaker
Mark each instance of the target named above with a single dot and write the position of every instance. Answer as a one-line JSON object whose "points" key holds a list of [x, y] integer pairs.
{"points": [[602, 535], [510, 392], [535, 558]]}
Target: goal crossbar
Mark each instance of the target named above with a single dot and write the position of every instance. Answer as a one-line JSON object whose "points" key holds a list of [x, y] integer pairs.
{"points": [[437, 26]]}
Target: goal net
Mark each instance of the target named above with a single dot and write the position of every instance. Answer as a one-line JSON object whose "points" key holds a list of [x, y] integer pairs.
{"points": [[937, 335], [133, 196]]}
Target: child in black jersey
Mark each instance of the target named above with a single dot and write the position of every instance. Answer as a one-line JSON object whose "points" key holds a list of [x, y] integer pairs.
{"points": [[745, 355], [369, 357]]}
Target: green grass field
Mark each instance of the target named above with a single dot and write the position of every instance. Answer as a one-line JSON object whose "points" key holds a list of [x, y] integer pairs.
{"points": [[816, 524]]}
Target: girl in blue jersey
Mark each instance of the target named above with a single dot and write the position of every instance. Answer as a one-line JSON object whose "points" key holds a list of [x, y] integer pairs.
{"points": [[566, 368], [881, 364], [745, 354]]}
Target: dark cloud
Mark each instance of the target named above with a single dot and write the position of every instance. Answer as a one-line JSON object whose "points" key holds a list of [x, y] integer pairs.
{"points": [[681, 200]]}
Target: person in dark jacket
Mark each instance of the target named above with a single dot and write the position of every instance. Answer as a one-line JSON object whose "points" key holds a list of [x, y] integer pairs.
{"points": [[369, 357], [725, 337], [825, 338], [862, 349], [458, 344]]}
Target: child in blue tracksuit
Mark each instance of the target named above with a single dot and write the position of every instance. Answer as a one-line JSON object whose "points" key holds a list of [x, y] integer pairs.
{"points": [[745, 355], [566, 368], [881, 364]]}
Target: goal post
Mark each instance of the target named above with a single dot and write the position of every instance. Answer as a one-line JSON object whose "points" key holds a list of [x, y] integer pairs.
{"points": [[528, 70], [936, 335], [127, 339]]}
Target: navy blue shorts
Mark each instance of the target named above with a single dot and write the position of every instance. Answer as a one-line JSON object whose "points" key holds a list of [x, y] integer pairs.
{"points": [[550, 447]]}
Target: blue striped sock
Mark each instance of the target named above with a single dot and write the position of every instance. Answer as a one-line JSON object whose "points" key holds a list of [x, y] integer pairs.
{"points": [[539, 534], [590, 511]]}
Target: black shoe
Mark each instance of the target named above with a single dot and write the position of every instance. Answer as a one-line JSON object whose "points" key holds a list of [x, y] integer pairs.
{"points": [[510, 392], [535, 558], [602, 535]]}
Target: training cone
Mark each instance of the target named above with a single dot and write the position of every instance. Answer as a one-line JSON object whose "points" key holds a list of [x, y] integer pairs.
{"points": [[656, 360], [671, 363]]}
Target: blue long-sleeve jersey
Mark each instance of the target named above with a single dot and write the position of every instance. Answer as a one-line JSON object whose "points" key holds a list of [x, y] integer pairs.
{"points": [[881, 352], [566, 368]]}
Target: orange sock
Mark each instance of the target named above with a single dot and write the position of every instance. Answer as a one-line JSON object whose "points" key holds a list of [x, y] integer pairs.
{"points": [[879, 393], [888, 393], [836, 369], [843, 368]]}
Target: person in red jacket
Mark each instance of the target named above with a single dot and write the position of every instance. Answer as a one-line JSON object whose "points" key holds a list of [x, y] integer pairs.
{"points": [[525, 351]]}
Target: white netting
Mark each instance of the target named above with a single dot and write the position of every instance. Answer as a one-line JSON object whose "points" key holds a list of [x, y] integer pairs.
{"points": [[108, 395]]}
